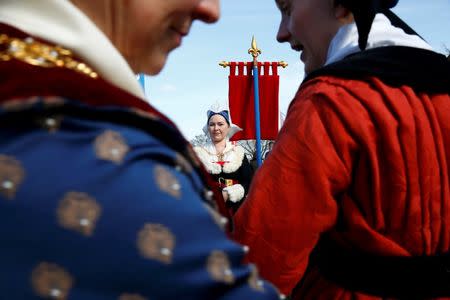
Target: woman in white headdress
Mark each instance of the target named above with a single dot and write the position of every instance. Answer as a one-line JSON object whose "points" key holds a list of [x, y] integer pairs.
{"points": [[225, 160]]}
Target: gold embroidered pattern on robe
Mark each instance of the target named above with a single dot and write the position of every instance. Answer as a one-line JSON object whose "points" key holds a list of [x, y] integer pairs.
{"points": [[50, 281], [219, 267], [155, 241], [78, 212], [110, 145], [12, 174], [167, 182], [36, 53]]}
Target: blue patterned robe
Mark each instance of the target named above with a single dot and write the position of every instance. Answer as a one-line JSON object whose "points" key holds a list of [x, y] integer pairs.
{"points": [[102, 198]]}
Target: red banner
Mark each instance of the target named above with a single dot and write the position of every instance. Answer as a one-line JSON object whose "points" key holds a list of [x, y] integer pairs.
{"points": [[241, 99]]}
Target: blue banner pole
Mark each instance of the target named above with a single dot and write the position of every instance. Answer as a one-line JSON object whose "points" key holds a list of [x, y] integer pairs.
{"points": [[142, 81], [257, 118], [254, 51]]}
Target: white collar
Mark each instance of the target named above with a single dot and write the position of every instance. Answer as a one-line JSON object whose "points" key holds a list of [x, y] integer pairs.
{"points": [[60, 22], [233, 157], [209, 146], [382, 34]]}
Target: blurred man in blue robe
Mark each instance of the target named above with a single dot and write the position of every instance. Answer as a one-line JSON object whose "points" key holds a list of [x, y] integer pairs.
{"points": [[100, 195]]}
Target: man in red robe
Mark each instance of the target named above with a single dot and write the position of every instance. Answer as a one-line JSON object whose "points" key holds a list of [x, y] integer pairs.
{"points": [[354, 200]]}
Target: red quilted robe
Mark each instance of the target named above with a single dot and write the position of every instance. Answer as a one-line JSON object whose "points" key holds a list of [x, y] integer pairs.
{"points": [[374, 155]]}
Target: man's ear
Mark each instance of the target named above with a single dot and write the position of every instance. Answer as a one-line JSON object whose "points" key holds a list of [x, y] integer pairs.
{"points": [[343, 14]]}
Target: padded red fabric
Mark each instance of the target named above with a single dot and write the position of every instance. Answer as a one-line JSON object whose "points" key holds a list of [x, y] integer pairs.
{"points": [[241, 100], [366, 156]]}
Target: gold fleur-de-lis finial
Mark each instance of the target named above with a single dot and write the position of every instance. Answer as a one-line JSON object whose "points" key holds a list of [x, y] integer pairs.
{"points": [[254, 51], [224, 64], [283, 64]]}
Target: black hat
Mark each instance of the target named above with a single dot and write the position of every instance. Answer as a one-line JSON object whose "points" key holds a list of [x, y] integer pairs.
{"points": [[364, 12]]}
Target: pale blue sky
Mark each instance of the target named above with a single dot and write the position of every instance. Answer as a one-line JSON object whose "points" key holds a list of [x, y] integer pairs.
{"points": [[192, 79]]}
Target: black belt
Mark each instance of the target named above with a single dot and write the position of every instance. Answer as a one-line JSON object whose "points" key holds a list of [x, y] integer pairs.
{"points": [[402, 277]]}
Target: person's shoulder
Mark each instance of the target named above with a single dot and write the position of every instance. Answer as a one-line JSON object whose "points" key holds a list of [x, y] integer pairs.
{"points": [[316, 91], [421, 69]]}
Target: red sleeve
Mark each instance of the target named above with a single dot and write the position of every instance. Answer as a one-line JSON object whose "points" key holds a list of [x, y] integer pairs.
{"points": [[293, 196]]}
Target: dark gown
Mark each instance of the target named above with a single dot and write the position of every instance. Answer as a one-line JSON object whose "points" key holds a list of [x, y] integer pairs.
{"points": [[232, 172]]}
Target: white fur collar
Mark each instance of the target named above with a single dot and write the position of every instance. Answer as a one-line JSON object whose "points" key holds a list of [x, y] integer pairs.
{"points": [[382, 34], [60, 22], [233, 157]]}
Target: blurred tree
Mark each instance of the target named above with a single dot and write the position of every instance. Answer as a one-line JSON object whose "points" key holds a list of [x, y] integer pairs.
{"points": [[199, 140], [250, 148]]}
